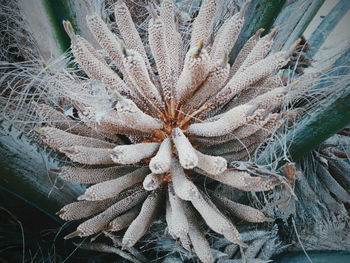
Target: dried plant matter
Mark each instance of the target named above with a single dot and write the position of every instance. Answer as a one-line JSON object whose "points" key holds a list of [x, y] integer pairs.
{"points": [[167, 130]]}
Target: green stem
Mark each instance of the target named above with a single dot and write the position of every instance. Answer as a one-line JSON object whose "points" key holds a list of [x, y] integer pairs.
{"points": [[293, 20], [311, 131], [25, 171], [260, 14], [58, 10], [328, 23]]}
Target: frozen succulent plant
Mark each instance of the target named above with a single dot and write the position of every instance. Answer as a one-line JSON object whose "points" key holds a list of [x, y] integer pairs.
{"points": [[182, 120]]}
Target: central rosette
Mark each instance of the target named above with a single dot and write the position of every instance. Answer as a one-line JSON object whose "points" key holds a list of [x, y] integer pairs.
{"points": [[187, 108], [162, 143]]}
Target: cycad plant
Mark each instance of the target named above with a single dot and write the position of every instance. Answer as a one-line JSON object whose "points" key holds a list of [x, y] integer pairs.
{"points": [[172, 113]]}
